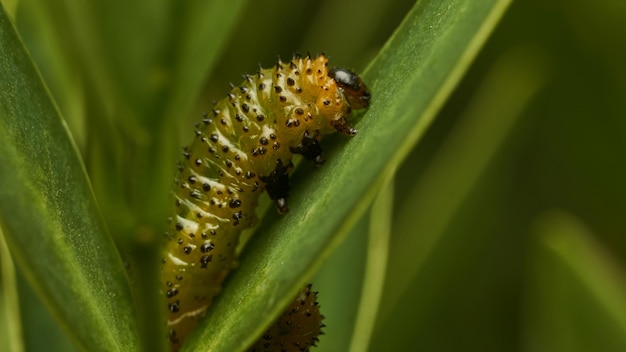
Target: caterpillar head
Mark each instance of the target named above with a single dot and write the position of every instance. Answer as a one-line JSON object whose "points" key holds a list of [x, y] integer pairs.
{"points": [[354, 95], [352, 87]]}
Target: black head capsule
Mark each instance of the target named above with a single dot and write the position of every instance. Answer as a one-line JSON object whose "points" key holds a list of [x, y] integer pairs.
{"points": [[352, 87]]}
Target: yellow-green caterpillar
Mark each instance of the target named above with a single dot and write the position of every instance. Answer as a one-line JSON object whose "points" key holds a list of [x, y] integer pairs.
{"points": [[243, 147]]}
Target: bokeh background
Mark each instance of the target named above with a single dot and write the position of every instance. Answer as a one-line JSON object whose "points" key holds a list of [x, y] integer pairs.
{"points": [[533, 258], [508, 229]]}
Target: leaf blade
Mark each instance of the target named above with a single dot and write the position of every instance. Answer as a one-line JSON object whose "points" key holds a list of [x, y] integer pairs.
{"points": [[48, 213]]}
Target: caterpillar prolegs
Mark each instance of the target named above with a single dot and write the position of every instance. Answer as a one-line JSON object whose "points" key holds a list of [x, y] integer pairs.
{"points": [[244, 146]]}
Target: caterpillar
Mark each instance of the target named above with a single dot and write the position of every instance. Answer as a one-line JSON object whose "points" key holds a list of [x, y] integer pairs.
{"points": [[244, 146]]}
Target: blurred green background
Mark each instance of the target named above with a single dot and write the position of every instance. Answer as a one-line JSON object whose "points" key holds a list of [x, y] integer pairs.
{"points": [[533, 258], [508, 229]]}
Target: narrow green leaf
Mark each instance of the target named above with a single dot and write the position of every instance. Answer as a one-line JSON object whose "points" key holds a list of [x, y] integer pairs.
{"points": [[377, 258], [10, 7], [409, 80], [46, 32], [40, 330], [577, 294], [339, 282], [10, 327], [48, 213]]}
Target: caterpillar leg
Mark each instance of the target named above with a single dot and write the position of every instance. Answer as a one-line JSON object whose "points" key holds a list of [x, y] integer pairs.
{"points": [[342, 126], [277, 185], [310, 148]]}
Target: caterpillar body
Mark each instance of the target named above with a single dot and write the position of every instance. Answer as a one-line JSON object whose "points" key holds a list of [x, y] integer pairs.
{"points": [[243, 147]]}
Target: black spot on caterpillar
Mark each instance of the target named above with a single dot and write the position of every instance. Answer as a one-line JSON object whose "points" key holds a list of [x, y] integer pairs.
{"points": [[245, 145]]}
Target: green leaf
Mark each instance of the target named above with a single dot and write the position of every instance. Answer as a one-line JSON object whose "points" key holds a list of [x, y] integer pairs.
{"points": [[40, 330], [377, 259], [344, 269], [409, 80], [48, 213], [576, 290], [10, 329]]}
